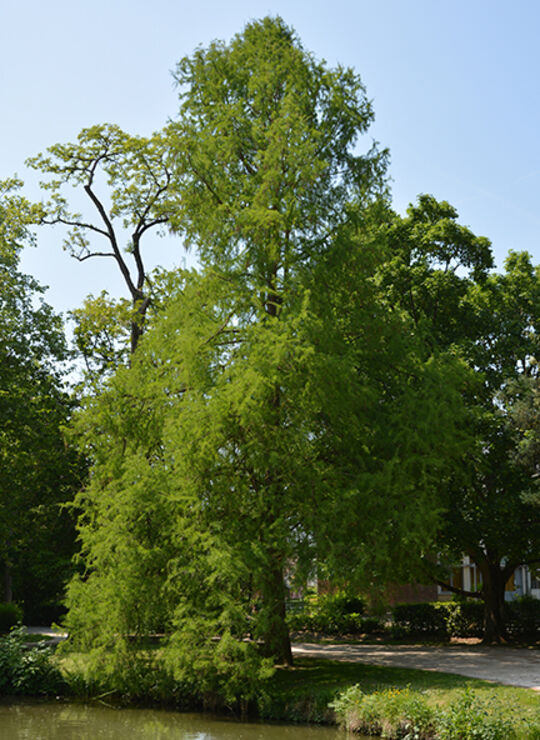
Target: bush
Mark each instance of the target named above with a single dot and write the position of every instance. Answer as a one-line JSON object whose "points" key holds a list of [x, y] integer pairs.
{"points": [[471, 718], [439, 619], [406, 714], [334, 614], [464, 618], [341, 604], [523, 618], [28, 672], [393, 713], [10, 615], [419, 619]]}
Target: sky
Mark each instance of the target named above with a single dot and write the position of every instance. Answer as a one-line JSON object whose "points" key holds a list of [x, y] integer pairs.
{"points": [[455, 89]]}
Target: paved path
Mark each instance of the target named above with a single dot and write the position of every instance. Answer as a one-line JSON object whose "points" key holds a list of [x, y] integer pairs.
{"points": [[54, 636], [513, 666]]}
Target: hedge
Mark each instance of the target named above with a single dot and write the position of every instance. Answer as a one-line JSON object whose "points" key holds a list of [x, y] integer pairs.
{"points": [[10, 615], [465, 618], [333, 614]]}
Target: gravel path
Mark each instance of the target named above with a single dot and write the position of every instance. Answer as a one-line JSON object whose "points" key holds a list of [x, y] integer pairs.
{"points": [[512, 666]]}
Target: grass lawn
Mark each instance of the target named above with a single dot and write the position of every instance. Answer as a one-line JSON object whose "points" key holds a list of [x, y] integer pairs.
{"points": [[302, 693], [37, 638]]}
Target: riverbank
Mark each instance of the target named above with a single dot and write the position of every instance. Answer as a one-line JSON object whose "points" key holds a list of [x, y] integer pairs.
{"points": [[306, 692], [315, 690]]}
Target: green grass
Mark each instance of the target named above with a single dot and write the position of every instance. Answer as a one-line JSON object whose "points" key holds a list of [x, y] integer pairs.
{"points": [[302, 693], [38, 638]]}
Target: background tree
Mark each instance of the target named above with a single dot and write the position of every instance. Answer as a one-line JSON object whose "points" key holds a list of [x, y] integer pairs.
{"points": [[136, 171], [438, 274], [38, 472], [490, 514]]}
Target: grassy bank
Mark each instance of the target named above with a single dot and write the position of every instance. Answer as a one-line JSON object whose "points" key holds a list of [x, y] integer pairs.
{"points": [[395, 702], [306, 693]]}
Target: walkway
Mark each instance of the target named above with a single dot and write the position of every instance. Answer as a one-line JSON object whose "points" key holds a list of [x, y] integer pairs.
{"points": [[512, 666], [53, 636]]}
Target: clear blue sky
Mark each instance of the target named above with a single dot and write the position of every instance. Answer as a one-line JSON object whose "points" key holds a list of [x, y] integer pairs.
{"points": [[455, 88]]}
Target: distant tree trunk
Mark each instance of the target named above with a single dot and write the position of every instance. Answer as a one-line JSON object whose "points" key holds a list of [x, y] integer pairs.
{"points": [[275, 635], [8, 582], [494, 581]]}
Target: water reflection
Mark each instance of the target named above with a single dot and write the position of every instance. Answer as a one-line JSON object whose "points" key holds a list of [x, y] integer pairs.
{"points": [[27, 721]]}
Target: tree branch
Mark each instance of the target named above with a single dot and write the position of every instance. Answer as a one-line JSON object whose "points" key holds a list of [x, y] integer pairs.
{"points": [[79, 224], [112, 237], [93, 254]]}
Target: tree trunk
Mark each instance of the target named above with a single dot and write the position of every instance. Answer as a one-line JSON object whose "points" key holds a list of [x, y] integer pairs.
{"points": [[494, 582], [275, 633], [8, 583]]}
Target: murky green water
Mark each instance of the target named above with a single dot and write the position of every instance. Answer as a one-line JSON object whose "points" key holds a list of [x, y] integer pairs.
{"points": [[36, 721]]}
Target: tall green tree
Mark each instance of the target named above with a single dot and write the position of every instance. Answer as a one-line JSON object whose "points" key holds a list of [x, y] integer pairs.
{"points": [[266, 173], [491, 516], [438, 274], [278, 412], [37, 470]]}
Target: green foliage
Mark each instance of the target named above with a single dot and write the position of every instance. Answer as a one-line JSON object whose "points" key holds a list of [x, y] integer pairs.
{"points": [[423, 618], [392, 713], [218, 672], [276, 412], [101, 333], [38, 471], [439, 618], [138, 175], [438, 275], [470, 717], [10, 615], [334, 614], [523, 618], [133, 673], [341, 604], [463, 618], [30, 672], [406, 714], [265, 150]]}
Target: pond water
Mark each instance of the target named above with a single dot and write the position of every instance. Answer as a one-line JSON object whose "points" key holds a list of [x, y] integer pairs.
{"points": [[61, 721]]}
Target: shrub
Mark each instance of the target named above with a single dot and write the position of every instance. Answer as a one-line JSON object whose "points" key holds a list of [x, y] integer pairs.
{"points": [[341, 604], [419, 619], [10, 615], [28, 672], [463, 618], [471, 718], [523, 618], [393, 713], [405, 714], [334, 614], [440, 618]]}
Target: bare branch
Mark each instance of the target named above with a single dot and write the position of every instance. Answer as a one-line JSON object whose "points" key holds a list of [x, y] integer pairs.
{"points": [[460, 591], [112, 238], [93, 254], [79, 224]]}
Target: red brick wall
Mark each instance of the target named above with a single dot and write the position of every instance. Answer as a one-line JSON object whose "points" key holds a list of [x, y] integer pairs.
{"points": [[410, 593]]}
